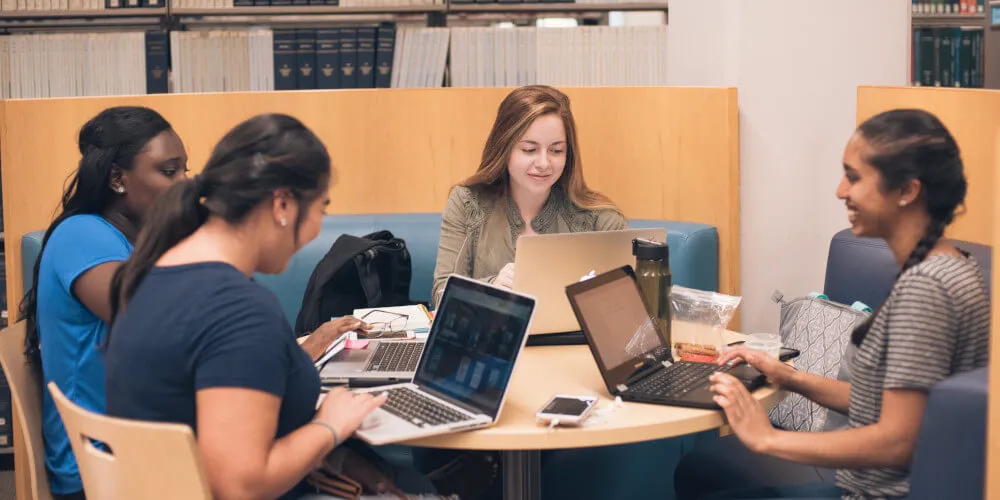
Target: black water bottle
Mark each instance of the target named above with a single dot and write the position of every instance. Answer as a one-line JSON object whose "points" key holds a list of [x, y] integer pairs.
{"points": [[652, 272]]}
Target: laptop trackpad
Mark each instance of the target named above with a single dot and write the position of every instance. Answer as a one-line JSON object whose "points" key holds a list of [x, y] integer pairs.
{"points": [[745, 373], [352, 356]]}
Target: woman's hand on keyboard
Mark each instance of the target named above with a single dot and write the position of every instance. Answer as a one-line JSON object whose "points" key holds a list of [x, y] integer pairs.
{"points": [[778, 373], [745, 415], [345, 410]]}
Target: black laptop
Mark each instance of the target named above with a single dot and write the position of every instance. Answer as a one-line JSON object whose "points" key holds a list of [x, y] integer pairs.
{"points": [[634, 357]]}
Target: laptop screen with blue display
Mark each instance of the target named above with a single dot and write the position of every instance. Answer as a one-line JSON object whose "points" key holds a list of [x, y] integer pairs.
{"points": [[477, 334]]}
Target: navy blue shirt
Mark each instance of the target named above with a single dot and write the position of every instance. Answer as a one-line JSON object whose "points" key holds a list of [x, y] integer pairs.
{"points": [[205, 325]]}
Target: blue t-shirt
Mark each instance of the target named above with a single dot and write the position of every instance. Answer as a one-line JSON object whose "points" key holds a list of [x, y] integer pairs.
{"points": [[205, 325], [70, 335]]}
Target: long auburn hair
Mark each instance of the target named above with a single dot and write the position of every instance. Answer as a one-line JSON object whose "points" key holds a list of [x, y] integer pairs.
{"points": [[516, 113]]}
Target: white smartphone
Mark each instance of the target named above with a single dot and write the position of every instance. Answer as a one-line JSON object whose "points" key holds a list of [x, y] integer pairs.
{"points": [[568, 410]]}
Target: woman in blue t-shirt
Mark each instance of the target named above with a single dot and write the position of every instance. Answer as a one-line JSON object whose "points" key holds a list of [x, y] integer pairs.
{"points": [[129, 156], [197, 341]]}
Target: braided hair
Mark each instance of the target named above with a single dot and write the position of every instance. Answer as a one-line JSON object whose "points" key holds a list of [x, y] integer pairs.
{"points": [[910, 144], [110, 140]]}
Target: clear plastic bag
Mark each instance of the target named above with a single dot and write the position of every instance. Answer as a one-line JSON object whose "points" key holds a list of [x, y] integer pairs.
{"points": [[699, 322]]}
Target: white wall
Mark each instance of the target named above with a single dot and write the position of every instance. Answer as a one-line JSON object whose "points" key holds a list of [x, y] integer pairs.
{"points": [[797, 65]]}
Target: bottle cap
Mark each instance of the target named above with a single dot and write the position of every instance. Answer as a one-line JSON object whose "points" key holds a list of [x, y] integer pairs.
{"points": [[644, 249]]}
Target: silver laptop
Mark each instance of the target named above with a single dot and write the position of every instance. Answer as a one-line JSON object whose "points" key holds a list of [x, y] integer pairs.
{"points": [[463, 375], [544, 264], [382, 362]]}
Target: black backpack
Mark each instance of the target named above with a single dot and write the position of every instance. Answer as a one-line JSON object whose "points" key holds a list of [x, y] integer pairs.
{"points": [[370, 271]]}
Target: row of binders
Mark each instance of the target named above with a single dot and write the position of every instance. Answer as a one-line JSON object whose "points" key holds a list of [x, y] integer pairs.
{"points": [[75, 64], [75, 5], [947, 57], [382, 56], [582, 56], [948, 6], [221, 4]]}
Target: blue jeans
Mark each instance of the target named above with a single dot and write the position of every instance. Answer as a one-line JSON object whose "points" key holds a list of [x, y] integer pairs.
{"points": [[725, 465], [787, 491]]}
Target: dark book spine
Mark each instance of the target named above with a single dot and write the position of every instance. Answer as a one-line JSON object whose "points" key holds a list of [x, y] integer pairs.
{"points": [[284, 60], [243, 3], [946, 54], [977, 59], [305, 41], [383, 56], [348, 58], [262, 3], [157, 62], [328, 58], [281, 3], [300, 2], [927, 52], [366, 58], [332, 2]]}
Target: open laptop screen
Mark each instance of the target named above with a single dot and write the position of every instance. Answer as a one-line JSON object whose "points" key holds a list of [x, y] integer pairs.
{"points": [[617, 321], [475, 339]]}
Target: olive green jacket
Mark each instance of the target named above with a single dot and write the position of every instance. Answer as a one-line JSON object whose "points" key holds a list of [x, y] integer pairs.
{"points": [[479, 231]]}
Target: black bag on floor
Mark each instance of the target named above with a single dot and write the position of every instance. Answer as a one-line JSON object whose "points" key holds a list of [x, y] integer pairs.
{"points": [[370, 271]]}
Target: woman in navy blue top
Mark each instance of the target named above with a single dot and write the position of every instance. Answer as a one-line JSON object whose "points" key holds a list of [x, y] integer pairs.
{"points": [[197, 341], [129, 156]]}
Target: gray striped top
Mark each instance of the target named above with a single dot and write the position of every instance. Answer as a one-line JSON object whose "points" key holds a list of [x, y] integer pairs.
{"points": [[934, 324]]}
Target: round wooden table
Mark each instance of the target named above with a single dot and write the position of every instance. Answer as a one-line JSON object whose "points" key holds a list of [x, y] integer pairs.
{"points": [[542, 372]]}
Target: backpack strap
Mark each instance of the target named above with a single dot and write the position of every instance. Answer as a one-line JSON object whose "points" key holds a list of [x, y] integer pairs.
{"points": [[368, 273]]}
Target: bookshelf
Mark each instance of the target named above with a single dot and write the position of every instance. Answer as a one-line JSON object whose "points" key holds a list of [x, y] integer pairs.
{"points": [[952, 43], [83, 14], [309, 10]]}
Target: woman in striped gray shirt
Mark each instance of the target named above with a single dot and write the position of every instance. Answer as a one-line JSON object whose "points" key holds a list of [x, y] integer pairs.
{"points": [[903, 182]]}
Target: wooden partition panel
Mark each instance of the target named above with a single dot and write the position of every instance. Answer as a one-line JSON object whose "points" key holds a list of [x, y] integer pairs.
{"points": [[993, 429], [973, 117], [667, 153]]}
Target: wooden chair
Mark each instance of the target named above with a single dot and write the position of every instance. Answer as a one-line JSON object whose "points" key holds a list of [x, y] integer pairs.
{"points": [[148, 460], [26, 399]]}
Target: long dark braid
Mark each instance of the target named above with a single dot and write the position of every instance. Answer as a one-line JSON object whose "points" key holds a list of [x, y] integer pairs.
{"points": [[913, 144]]}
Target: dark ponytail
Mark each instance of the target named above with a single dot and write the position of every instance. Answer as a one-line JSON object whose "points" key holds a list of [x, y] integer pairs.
{"points": [[912, 144], [110, 140], [259, 156]]}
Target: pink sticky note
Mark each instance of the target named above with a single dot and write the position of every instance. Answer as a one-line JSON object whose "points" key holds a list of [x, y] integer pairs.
{"points": [[356, 344]]}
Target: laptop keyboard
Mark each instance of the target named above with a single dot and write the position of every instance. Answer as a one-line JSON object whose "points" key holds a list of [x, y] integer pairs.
{"points": [[676, 380], [395, 357], [420, 410]]}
